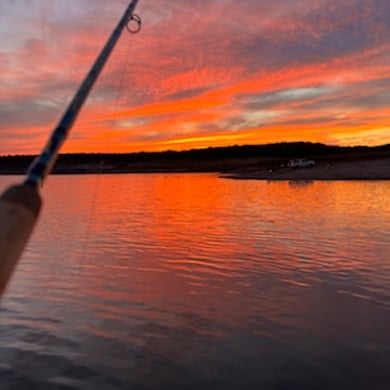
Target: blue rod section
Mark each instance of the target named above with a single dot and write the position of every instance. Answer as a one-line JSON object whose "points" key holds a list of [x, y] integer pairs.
{"points": [[43, 163]]}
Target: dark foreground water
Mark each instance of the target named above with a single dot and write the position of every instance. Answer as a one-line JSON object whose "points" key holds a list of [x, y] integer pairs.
{"points": [[196, 282]]}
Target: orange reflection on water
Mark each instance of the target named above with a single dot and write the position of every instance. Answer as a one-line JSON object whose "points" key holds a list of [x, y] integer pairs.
{"points": [[145, 246]]}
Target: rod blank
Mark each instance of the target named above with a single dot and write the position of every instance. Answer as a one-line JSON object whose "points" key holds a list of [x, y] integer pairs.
{"points": [[43, 164]]}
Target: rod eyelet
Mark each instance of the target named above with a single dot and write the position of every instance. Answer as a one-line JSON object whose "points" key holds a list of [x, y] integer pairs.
{"points": [[137, 20]]}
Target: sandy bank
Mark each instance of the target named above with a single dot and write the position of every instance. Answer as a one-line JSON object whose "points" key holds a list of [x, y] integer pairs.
{"points": [[343, 170]]}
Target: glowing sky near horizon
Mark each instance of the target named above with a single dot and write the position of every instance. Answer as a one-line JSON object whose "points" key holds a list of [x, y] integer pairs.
{"points": [[199, 74]]}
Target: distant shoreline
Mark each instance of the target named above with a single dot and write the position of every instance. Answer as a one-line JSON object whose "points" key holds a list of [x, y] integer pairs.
{"points": [[378, 169], [250, 162], [372, 169]]}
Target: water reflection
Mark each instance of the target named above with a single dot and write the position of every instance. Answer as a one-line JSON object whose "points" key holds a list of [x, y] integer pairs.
{"points": [[300, 183], [165, 281]]}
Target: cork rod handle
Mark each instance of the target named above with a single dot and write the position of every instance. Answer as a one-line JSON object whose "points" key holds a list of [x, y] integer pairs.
{"points": [[19, 210]]}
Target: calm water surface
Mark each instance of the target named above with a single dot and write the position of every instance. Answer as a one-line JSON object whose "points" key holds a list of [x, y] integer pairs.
{"points": [[196, 282]]}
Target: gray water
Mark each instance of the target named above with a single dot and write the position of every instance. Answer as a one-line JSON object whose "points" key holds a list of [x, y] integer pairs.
{"points": [[197, 282]]}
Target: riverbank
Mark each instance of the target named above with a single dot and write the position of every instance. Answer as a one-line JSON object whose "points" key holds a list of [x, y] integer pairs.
{"points": [[372, 169]]}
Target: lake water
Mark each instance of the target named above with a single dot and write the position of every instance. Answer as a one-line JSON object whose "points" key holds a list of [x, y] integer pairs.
{"points": [[196, 282]]}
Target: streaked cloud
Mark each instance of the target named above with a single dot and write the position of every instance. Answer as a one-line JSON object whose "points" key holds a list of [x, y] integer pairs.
{"points": [[199, 74]]}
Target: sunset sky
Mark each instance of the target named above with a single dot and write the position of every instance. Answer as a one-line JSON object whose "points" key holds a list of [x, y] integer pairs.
{"points": [[199, 74]]}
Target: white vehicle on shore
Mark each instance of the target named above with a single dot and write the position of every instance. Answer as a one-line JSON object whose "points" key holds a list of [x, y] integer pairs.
{"points": [[301, 163]]}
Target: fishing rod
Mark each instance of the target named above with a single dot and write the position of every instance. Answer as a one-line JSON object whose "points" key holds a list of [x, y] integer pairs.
{"points": [[20, 204]]}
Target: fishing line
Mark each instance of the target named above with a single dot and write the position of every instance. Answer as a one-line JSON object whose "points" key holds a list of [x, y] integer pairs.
{"points": [[108, 78], [43, 20], [118, 85]]}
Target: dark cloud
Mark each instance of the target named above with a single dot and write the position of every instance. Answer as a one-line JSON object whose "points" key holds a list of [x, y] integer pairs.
{"points": [[312, 36]]}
